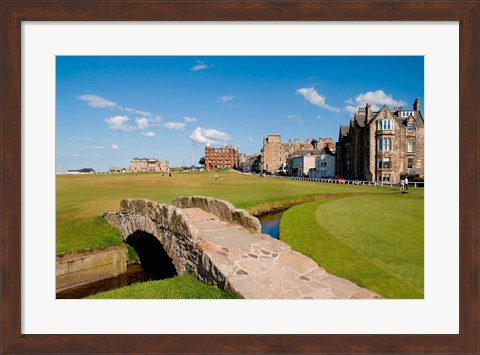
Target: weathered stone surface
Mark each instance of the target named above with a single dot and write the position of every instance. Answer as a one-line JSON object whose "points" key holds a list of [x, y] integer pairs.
{"points": [[82, 268], [220, 208], [223, 246]]}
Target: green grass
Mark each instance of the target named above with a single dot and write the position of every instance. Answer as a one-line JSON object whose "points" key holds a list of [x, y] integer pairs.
{"points": [[185, 286], [370, 235], [81, 199], [375, 241]]}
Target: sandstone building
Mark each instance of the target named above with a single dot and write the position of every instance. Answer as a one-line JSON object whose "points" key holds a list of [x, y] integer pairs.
{"points": [[221, 158], [383, 145], [149, 165], [274, 152]]}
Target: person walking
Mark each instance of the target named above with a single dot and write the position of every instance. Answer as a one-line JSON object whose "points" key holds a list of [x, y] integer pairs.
{"points": [[406, 183], [402, 183]]}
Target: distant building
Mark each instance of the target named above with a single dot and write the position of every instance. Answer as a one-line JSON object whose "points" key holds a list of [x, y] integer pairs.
{"points": [[117, 170], [324, 165], [149, 165], [301, 161], [242, 161], [221, 158], [275, 152], [252, 163], [383, 145], [81, 171]]}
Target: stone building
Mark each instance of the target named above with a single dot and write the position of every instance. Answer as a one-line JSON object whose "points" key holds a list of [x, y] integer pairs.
{"points": [[274, 152], [252, 163], [149, 165], [221, 158], [382, 146]]}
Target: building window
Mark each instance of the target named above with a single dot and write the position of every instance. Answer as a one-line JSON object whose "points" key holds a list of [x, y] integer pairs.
{"points": [[384, 125], [410, 127], [409, 146], [410, 163], [384, 114], [385, 163], [384, 144]]}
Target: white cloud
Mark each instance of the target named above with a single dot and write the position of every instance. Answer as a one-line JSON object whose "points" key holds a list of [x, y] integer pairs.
{"points": [[141, 122], [98, 147], [250, 138], [189, 119], [97, 101], [226, 98], [101, 102], [149, 134], [209, 136], [200, 66], [118, 123], [154, 122], [174, 125], [295, 118], [376, 99], [143, 113], [351, 109], [312, 96]]}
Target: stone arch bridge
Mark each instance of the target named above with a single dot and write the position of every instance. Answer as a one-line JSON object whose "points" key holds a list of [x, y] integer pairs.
{"points": [[223, 246]]}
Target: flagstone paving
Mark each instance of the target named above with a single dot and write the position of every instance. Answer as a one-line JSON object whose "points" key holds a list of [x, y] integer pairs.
{"points": [[258, 266]]}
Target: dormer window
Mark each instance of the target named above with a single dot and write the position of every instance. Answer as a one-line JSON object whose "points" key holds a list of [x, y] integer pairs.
{"points": [[410, 127], [384, 125]]}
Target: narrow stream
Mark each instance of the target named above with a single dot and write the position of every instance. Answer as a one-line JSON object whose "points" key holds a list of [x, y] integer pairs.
{"points": [[270, 223], [134, 274]]}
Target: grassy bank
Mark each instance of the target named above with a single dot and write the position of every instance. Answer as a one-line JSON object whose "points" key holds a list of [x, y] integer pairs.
{"points": [[185, 286], [81, 199], [375, 241]]}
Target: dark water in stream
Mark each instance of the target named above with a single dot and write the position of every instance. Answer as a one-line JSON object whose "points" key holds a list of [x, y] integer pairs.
{"points": [[134, 274], [271, 224]]}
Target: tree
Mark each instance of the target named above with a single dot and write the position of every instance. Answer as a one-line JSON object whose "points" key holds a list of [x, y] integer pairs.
{"points": [[202, 161]]}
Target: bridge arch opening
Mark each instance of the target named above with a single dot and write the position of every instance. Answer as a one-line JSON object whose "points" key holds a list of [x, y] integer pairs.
{"points": [[153, 257]]}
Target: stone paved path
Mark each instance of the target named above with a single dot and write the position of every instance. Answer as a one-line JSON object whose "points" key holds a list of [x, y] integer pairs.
{"points": [[259, 266]]}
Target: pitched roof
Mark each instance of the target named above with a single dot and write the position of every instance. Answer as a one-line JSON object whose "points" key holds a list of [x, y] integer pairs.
{"points": [[326, 150]]}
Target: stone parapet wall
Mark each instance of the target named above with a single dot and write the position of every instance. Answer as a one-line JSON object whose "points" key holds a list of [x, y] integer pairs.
{"points": [[78, 269], [222, 209]]}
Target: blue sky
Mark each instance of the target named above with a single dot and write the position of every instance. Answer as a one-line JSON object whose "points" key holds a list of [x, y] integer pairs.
{"points": [[112, 109]]}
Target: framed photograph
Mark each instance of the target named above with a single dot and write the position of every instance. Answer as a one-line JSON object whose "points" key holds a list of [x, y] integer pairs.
{"points": [[43, 44]]}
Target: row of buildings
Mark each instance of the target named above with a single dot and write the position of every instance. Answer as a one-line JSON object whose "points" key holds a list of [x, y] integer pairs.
{"points": [[381, 145]]}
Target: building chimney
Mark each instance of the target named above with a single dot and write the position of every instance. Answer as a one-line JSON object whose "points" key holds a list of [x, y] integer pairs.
{"points": [[416, 104], [368, 113]]}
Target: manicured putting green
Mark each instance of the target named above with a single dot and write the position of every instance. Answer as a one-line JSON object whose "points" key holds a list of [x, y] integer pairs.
{"points": [[375, 241]]}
